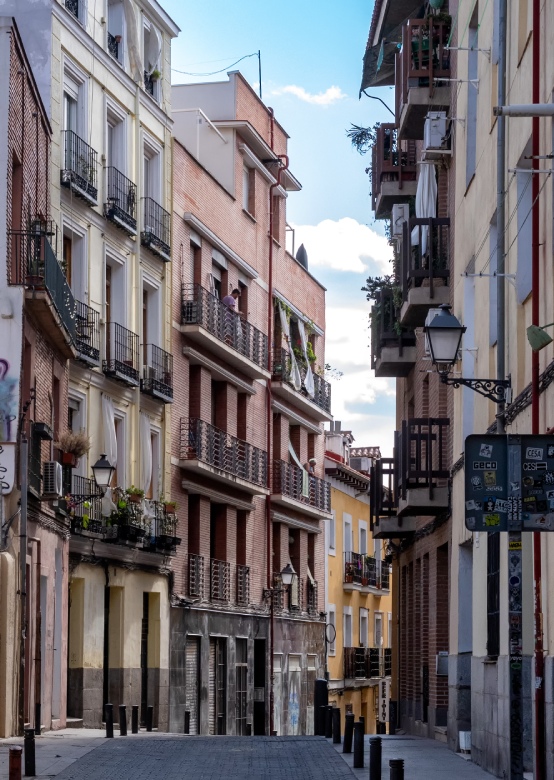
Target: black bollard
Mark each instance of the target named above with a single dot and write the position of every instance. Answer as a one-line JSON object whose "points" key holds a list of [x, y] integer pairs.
{"points": [[29, 742], [329, 721], [321, 699], [122, 720], [336, 726], [109, 720], [396, 769], [375, 754], [187, 721], [358, 762], [348, 732], [134, 719], [362, 721], [149, 717], [322, 719]]}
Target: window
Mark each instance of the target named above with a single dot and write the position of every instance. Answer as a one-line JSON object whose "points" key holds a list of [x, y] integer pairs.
{"points": [[151, 315], [119, 476], [524, 228], [116, 30], [151, 177], [332, 522], [74, 99], [152, 50], [276, 218], [115, 138], [472, 95], [363, 627], [468, 358], [248, 190], [332, 620], [378, 629], [77, 421], [75, 260], [347, 533], [363, 537], [347, 627]]}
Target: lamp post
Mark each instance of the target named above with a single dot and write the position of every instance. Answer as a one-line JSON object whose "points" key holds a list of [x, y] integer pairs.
{"points": [[444, 335], [286, 576]]}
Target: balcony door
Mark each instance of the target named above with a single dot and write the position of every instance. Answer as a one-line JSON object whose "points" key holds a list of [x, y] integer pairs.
{"points": [[217, 686]]}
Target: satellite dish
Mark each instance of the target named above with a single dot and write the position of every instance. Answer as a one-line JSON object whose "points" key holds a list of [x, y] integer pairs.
{"points": [[302, 256]]}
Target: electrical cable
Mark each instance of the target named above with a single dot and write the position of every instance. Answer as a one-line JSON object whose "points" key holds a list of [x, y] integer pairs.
{"points": [[215, 72]]}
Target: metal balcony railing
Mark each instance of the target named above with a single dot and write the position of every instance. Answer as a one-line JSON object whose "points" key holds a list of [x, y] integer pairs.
{"points": [[425, 254], [204, 442], [385, 575], [79, 171], [122, 354], [311, 597], [386, 330], [121, 201], [387, 654], [292, 481], [423, 58], [85, 504], [282, 372], [422, 455], [156, 231], [383, 493], [364, 662], [34, 264], [113, 46], [243, 584], [73, 7], [220, 580], [392, 160], [200, 307], [157, 379], [196, 575], [364, 570], [87, 334]]}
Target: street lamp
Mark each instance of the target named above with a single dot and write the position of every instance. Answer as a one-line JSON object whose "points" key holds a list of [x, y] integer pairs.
{"points": [[444, 335], [537, 338], [103, 472], [286, 575]]}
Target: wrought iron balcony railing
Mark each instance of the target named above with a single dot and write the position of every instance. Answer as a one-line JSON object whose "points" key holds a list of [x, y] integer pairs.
{"points": [[33, 263], [79, 172], [157, 379], [422, 454], [113, 46], [383, 490], [392, 160], [121, 201], [87, 334], [85, 505], [156, 231], [385, 575], [200, 307], [243, 584], [385, 328], [204, 442], [425, 254], [364, 570], [292, 481], [73, 7], [282, 372], [122, 354], [365, 662], [311, 597], [220, 580], [196, 575]]}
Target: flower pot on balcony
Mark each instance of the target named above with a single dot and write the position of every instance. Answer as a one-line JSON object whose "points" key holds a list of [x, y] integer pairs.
{"points": [[364, 581], [135, 498], [69, 459], [35, 281], [349, 578]]}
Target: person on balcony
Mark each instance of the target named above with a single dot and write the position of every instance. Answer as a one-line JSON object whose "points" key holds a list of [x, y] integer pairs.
{"points": [[231, 324]]}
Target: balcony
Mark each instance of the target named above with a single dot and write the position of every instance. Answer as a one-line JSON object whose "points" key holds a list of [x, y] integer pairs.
{"points": [[243, 584], [393, 347], [157, 379], [311, 598], [384, 520], [149, 84], [47, 293], [425, 269], [393, 171], [84, 506], [156, 232], [121, 201], [367, 663], [216, 327], [87, 334], [423, 60], [422, 466], [73, 7], [364, 571], [113, 45], [282, 386], [196, 575], [220, 580], [122, 355], [207, 450], [79, 172], [294, 488]]}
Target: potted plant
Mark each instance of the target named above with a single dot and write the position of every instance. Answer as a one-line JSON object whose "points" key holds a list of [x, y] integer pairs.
{"points": [[73, 444], [135, 494], [169, 506], [155, 75]]}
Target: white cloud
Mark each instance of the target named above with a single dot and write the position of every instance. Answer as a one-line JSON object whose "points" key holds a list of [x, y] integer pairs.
{"points": [[327, 98], [344, 245]]}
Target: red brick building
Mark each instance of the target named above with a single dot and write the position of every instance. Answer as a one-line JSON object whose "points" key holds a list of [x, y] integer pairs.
{"points": [[37, 330], [250, 400]]}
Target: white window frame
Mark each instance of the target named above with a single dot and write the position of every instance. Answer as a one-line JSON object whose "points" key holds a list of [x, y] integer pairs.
{"points": [[79, 270], [347, 631], [117, 263], [120, 419], [75, 83], [120, 29], [363, 627], [80, 399], [156, 440], [154, 310], [332, 620], [146, 25], [347, 535], [362, 537], [116, 117], [332, 534], [378, 617], [152, 151]]}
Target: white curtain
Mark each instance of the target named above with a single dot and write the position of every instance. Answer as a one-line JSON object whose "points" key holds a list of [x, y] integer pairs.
{"points": [[294, 374], [305, 475], [426, 202], [133, 46], [309, 378], [152, 55], [145, 453], [108, 428]]}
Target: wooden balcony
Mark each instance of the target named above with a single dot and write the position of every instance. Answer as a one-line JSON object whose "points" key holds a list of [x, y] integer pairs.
{"points": [[425, 269], [422, 466], [422, 62], [393, 171], [393, 347], [296, 489]]}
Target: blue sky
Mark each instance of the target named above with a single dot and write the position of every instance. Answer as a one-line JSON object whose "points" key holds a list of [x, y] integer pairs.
{"points": [[311, 55]]}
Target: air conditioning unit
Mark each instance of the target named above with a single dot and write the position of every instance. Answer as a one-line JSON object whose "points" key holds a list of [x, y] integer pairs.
{"points": [[360, 464], [428, 319], [52, 480], [434, 131], [400, 214]]}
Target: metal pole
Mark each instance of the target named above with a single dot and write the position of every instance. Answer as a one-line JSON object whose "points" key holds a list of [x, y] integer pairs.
{"points": [[135, 719], [336, 725], [15, 762], [24, 464], [122, 720], [271, 669], [149, 718], [375, 756], [358, 762], [348, 732], [109, 720], [29, 743]]}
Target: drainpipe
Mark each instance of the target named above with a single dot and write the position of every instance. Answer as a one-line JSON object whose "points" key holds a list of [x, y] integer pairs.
{"points": [[24, 460], [540, 768], [501, 210], [38, 639]]}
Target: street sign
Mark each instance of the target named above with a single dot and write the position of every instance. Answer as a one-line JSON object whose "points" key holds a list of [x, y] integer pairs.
{"points": [[509, 483]]}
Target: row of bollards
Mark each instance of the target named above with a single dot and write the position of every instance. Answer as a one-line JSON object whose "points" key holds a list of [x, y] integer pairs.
{"points": [[123, 719]]}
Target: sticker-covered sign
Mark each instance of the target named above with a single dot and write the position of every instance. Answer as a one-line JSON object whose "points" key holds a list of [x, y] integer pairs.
{"points": [[487, 489]]}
